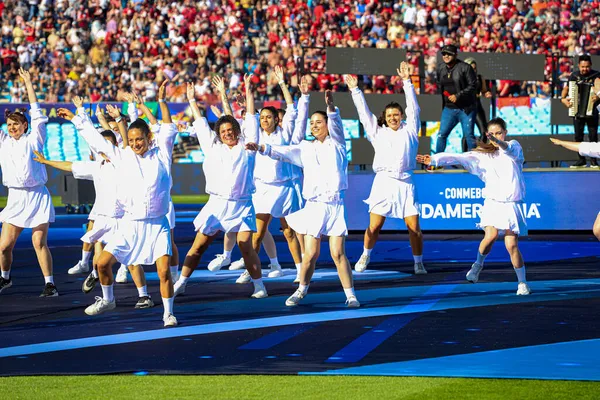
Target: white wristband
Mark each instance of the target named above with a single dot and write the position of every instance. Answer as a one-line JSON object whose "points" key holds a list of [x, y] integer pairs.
{"points": [[281, 83], [192, 100], [118, 119], [161, 100]]}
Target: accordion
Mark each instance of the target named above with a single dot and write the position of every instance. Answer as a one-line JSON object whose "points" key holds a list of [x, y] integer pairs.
{"points": [[581, 94]]}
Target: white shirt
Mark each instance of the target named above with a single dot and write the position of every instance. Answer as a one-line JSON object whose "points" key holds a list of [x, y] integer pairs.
{"points": [[325, 164], [105, 177], [395, 151], [16, 156], [229, 172], [268, 170], [589, 149], [144, 181], [502, 172]]}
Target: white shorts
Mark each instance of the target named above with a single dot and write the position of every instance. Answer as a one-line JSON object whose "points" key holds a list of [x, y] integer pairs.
{"points": [[225, 216], [171, 215], [103, 230], [277, 200], [140, 242], [503, 216], [317, 218], [28, 207], [392, 198]]}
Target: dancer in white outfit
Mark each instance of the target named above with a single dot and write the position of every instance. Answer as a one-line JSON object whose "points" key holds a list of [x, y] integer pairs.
{"points": [[229, 171], [499, 164], [325, 165], [143, 235], [393, 192], [29, 204], [585, 149]]}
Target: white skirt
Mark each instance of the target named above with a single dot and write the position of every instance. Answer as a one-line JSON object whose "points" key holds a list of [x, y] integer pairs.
{"points": [[226, 216], [503, 216], [171, 215], [317, 218], [277, 200], [28, 207], [393, 198], [140, 242], [103, 230]]}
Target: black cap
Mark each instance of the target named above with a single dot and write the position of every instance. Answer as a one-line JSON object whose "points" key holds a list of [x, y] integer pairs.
{"points": [[450, 49]]}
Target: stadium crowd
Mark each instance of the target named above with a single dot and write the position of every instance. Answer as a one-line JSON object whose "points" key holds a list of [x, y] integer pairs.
{"points": [[102, 48]]}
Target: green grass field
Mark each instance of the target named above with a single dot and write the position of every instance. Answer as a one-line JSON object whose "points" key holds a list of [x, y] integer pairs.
{"points": [[288, 387], [198, 199]]}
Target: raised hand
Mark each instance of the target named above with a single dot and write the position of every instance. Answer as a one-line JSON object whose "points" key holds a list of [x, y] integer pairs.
{"points": [[240, 99], [100, 114], [424, 159], [65, 114], [351, 81], [25, 75], [162, 90], [136, 98], [279, 74], [113, 111], [329, 99], [404, 71], [248, 81], [191, 91], [128, 97], [39, 157], [78, 101], [304, 85], [219, 84], [216, 111]]}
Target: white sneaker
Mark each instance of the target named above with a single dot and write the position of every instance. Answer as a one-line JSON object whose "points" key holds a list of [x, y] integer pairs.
{"points": [[276, 271], [79, 268], [523, 289], [362, 263], [219, 262], [178, 288], [170, 321], [352, 302], [420, 269], [239, 264], [473, 274], [294, 299], [121, 274], [260, 292], [244, 278], [100, 306]]}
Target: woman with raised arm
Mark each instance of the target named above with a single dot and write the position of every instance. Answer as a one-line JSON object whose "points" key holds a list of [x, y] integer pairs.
{"points": [[229, 208], [325, 165], [29, 203], [393, 192], [499, 164], [585, 149], [143, 235]]}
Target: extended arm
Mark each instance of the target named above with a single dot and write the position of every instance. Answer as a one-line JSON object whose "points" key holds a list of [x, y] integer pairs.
{"points": [[366, 117], [589, 149], [283, 85], [62, 165], [291, 154], [219, 85], [334, 121], [191, 95], [132, 111], [121, 126], [469, 161], [151, 118], [164, 108], [413, 121], [38, 120]]}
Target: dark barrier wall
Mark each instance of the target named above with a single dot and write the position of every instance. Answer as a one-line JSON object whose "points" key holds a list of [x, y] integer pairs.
{"points": [[514, 67], [346, 60]]}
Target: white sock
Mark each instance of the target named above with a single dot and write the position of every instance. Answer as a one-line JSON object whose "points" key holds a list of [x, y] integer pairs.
{"points": [[6, 274], [143, 291], [298, 267], [274, 261], [168, 306], [227, 254], [49, 279], [182, 279], [258, 283], [174, 270], [366, 252], [123, 266], [85, 256], [107, 293], [480, 258], [303, 288], [418, 259], [521, 274], [349, 292], [95, 273]]}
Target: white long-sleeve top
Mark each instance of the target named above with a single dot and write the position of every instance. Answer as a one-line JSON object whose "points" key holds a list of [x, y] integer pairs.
{"points": [[16, 156], [229, 171], [106, 177], [132, 112], [325, 164], [589, 149], [268, 170], [502, 172], [395, 151], [145, 181], [300, 130]]}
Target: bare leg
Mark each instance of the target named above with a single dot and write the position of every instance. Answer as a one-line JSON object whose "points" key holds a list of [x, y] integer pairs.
{"points": [[596, 228], [251, 260], [138, 275], [415, 236], [192, 259], [511, 242], [338, 254], [491, 234], [39, 238], [269, 245], [312, 249], [372, 233], [292, 240], [262, 225], [8, 239]]}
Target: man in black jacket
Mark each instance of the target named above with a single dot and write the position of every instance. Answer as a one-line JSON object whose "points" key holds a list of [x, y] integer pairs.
{"points": [[458, 84]]}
